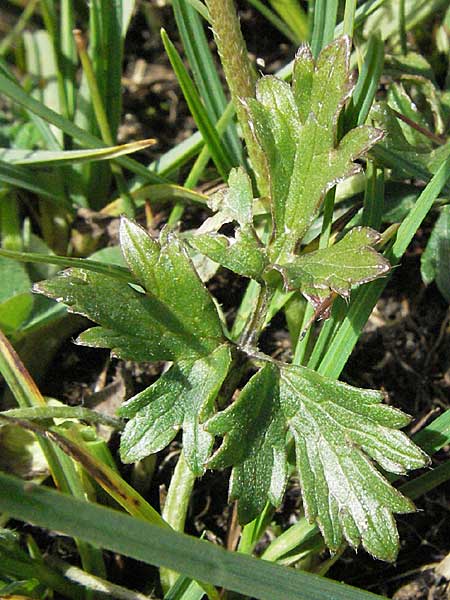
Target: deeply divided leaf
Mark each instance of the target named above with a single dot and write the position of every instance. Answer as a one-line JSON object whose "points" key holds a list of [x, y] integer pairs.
{"points": [[182, 398], [254, 444], [338, 431], [349, 262], [297, 130], [171, 317], [435, 261], [244, 253]]}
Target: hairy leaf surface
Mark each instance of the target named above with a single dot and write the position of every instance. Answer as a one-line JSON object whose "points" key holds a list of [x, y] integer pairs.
{"points": [[297, 130], [349, 262], [166, 315], [174, 319], [182, 398], [435, 261], [244, 254], [255, 434], [338, 430]]}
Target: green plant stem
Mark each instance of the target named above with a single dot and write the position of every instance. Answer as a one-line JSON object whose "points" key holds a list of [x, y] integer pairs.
{"points": [[178, 496], [306, 328], [328, 209], [10, 229], [239, 75], [176, 507], [96, 584], [45, 575], [402, 26], [48, 12], [61, 467], [256, 321], [182, 482], [102, 120]]}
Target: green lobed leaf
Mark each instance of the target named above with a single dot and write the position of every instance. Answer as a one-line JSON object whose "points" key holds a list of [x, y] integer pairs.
{"points": [[182, 398], [244, 254], [338, 430], [159, 324], [351, 261], [165, 271], [435, 260], [297, 130], [254, 444], [236, 202]]}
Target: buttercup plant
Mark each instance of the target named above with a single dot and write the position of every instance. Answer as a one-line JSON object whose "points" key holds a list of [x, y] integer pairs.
{"points": [[164, 312]]}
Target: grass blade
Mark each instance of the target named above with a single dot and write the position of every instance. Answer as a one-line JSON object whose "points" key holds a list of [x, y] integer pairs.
{"points": [[428, 481], [103, 474], [367, 86], [294, 16], [67, 56], [38, 413], [18, 95], [48, 158], [205, 74], [119, 273], [275, 20], [324, 24], [24, 178], [206, 127], [198, 559], [365, 298]]}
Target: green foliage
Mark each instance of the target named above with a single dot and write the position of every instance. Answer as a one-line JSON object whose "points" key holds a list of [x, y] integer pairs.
{"points": [[181, 398], [351, 261], [297, 129], [435, 261], [164, 327], [165, 313], [16, 302], [337, 430]]}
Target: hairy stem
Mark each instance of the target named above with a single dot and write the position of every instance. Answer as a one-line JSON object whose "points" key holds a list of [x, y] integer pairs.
{"points": [[256, 321], [239, 75]]}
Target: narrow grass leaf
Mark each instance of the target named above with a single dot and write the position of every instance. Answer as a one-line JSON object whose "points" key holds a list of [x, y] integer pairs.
{"points": [[107, 477], [205, 73], [275, 20], [367, 85], [435, 260], [198, 559], [43, 413], [13, 91], [324, 24], [218, 152], [42, 185], [294, 16], [114, 271], [48, 158], [364, 299]]}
